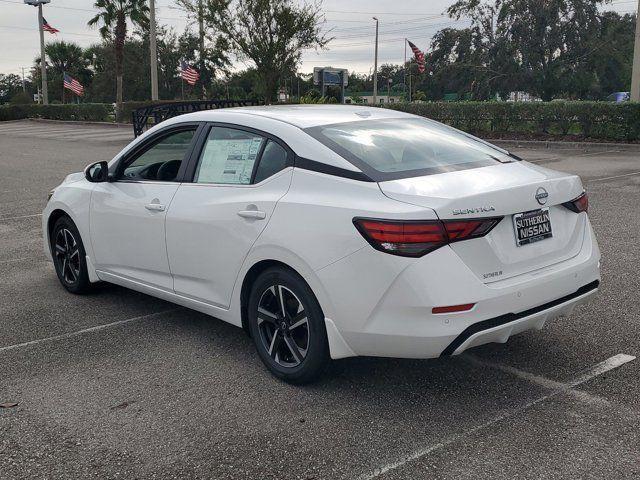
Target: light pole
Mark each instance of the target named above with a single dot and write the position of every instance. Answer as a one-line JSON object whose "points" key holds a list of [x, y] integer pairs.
{"points": [[43, 60], [635, 73], [375, 68], [154, 50]]}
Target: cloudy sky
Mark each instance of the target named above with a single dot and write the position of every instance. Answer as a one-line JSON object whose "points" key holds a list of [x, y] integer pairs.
{"points": [[349, 20]]}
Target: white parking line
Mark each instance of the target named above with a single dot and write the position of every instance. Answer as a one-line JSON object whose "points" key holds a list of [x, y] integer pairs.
{"points": [[537, 379], [20, 216], [605, 366], [615, 176], [97, 328], [564, 157]]}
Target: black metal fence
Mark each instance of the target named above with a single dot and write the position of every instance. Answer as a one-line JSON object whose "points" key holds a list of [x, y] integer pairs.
{"points": [[143, 118]]}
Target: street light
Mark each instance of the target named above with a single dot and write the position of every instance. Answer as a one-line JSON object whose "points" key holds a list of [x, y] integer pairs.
{"points": [[43, 61], [635, 72], [153, 50], [375, 68]]}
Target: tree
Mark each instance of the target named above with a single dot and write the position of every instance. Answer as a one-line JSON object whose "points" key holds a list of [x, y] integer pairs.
{"points": [[10, 85], [113, 16], [212, 47], [550, 48], [65, 57], [269, 33]]}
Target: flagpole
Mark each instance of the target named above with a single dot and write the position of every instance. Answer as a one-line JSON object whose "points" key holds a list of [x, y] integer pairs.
{"points": [[43, 60], [182, 86], [404, 69], [63, 87]]}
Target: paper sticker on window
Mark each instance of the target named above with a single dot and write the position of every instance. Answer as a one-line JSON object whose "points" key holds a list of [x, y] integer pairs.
{"points": [[229, 161]]}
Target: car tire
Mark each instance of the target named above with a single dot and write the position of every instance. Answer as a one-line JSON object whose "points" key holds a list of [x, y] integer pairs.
{"points": [[69, 256], [287, 326]]}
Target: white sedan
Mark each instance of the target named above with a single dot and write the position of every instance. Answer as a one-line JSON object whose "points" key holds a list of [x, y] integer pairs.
{"points": [[330, 232]]}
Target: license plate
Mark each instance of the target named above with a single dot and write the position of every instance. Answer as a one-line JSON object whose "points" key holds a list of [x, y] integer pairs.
{"points": [[532, 226]]}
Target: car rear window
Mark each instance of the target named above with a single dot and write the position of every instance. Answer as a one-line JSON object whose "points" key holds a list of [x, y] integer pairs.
{"points": [[404, 147]]}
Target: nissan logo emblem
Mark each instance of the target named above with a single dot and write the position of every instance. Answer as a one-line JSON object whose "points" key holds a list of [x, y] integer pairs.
{"points": [[541, 195]]}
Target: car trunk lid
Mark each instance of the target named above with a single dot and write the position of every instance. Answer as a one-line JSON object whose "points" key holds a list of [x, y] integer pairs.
{"points": [[501, 190]]}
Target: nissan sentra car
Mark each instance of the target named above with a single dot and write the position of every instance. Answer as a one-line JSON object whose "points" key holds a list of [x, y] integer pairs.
{"points": [[329, 232]]}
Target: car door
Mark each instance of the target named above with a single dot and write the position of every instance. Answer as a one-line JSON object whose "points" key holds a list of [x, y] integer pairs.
{"points": [[127, 219], [214, 220]]}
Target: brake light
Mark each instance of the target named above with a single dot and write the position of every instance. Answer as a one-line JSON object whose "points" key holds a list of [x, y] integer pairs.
{"points": [[410, 238], [579, 204]]}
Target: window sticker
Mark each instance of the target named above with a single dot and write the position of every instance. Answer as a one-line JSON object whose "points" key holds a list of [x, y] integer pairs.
{"points": [[229, 161]]}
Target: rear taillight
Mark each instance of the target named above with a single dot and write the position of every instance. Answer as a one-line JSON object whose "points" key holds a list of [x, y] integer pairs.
{"points": [[410, 238], [578, 205]]}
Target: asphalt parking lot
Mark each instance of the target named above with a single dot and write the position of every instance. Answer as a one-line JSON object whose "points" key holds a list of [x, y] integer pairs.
{"points": [[117, 384]]}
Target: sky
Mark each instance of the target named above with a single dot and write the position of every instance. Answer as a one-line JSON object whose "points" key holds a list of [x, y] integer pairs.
{"points": [[349, 21]]}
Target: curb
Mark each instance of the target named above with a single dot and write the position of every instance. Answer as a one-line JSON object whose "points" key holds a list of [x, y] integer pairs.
{"points": [[559, 145], [81, 122]]}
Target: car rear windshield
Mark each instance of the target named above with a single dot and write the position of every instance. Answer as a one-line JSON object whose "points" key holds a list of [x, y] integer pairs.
{"points": [[406, 147]]}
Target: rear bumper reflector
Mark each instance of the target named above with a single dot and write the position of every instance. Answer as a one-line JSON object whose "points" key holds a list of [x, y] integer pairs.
{"points": [[453, 308], [511, 317]]}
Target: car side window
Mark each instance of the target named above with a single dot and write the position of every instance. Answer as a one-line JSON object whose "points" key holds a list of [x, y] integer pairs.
{"points": [[273, 159], [228, 156], [161, 161]]}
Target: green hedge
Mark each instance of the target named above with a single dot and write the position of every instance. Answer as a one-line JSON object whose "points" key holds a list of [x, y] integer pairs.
{"points": [[594, 120], [97, 112]]}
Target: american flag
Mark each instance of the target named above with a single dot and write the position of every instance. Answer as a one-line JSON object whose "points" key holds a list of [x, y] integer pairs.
{"points": [[419, 57], [73, 85], [189, 74], [48, 28]]}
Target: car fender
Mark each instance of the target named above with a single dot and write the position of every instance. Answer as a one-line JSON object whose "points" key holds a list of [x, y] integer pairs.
{"points": [[338, 347], [74, 199]]}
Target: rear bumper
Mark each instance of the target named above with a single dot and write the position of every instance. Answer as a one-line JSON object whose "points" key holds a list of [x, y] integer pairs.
{"points": [[499, 329], [382, 304]]}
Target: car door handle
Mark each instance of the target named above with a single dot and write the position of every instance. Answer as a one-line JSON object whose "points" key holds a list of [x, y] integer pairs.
{"points": [[255, 214], [155, 207]]}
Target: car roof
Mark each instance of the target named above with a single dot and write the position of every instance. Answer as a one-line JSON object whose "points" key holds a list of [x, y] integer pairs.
{"points": [[308, 115]]}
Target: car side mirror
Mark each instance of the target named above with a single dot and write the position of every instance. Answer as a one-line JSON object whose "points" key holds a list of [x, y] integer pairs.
{"points": [[97, 172]]}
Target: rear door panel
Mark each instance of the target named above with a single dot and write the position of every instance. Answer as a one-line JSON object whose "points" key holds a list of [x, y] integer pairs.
{"points": [[207, 241]]}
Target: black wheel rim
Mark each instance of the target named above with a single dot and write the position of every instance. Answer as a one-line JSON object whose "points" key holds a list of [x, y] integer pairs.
{"points": [[283, 326], [67, 254]]}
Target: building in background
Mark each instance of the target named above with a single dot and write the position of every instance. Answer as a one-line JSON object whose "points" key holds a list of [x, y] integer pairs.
{"points": [[366, 98]]}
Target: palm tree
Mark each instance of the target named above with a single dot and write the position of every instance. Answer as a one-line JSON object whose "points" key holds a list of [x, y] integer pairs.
{"points": [[113, 15], [67, 57]]}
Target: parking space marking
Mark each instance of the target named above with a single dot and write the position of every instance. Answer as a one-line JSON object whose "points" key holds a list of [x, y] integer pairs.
{"points": [[20, 217], [537, 380], [77, 333], [602, 367], [22, 259], [615, 176], [564, 157]]}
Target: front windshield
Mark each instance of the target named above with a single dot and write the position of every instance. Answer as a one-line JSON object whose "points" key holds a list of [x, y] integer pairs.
{"points": [[407, 145]]}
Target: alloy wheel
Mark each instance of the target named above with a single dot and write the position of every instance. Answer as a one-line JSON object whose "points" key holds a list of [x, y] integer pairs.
{"points": [[67, 253], [283, 326]]}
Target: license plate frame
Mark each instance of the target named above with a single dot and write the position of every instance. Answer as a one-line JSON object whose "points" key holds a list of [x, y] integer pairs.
{"points": [[532, 226]]}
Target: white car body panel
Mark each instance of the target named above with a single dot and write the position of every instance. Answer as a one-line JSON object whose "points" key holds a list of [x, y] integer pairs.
{"points": [[204, 228], [118, 207], [197, 251], [504, 189]]}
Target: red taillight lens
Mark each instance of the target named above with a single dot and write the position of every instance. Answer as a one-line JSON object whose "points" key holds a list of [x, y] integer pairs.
{"points": [[578, 205], [417, 238], [409, 239]]}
